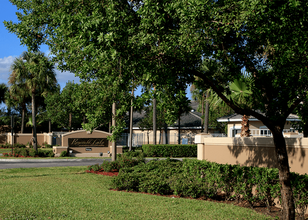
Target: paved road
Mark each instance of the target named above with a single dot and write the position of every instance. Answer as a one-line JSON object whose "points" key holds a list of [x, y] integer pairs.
{"points": [[15, 163], [29, 163]]}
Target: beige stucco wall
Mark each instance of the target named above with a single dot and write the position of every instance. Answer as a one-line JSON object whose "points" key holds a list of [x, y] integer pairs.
{"points": [[253, 151], [26, 138], [3, 138]]}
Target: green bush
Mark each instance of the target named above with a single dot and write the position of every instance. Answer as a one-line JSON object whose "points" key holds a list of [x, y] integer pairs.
{"points": [[17, 145], [123, 161], [170, 150], [134, 149], [48, 145], [106, 166], [48, 153], [63, 154], [45, 145], [6, 145], [94, 167], [134, 153], [152, 177], [195, 178], [30, 152]]}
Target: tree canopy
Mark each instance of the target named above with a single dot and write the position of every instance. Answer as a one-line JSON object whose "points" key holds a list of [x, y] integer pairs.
{"points": [[163, 43]]}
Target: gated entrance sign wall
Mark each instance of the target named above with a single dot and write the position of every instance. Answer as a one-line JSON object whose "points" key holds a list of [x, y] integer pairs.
{"points": [[85, 144]]}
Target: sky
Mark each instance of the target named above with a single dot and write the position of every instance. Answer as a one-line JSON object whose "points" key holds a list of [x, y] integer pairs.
{"points": [[11, 48]]}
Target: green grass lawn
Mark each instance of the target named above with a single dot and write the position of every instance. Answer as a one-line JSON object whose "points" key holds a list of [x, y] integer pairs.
{"points": [[70, 193]]}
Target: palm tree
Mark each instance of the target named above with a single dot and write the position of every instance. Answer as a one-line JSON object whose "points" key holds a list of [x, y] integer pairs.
{"points": [[3, 90], [18, 94], [39, 78], [239, 92]]}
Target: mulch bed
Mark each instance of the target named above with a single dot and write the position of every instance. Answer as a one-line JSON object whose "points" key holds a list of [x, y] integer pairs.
{"points": [[102, 172], [220, 198]]}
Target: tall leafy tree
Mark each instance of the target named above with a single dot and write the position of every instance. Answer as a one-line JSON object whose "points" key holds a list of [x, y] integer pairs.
{"points": [[252, 35], [168, 40], [61, 106]]}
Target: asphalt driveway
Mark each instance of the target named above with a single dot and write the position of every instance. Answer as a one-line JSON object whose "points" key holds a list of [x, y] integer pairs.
{"points": [[23, 163]]}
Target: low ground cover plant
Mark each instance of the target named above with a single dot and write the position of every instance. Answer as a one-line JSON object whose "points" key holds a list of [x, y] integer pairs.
{"points": [[195, 178], [170, 150]]}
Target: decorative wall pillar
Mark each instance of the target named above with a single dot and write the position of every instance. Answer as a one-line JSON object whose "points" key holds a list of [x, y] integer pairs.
{"points": [[199, 140]]}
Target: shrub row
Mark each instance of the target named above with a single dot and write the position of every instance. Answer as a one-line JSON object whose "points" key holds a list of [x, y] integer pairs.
{"points": [[16, 145], [170, 150], [123, 161], [195, 178], [29, 152], [135, 152]]}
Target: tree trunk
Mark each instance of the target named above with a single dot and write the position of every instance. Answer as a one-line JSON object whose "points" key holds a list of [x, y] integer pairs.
{"points": [[202, 112], [23, 118], [288, 209], [131, 123], [154, 121], [179, 129], [49, 126], [114, 146], [305, 130], [166, 133], [70, 121], [34, 123], [206, 115], [245, 132]]}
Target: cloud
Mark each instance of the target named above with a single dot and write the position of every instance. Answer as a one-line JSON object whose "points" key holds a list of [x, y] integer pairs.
{"points": [[64, 77], [6, 62]]}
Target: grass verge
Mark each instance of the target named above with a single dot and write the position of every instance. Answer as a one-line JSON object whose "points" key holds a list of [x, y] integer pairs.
{"points": [[70, 193]]}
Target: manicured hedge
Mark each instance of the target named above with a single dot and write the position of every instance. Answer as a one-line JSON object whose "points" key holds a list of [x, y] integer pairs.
{"points": [[29, 152], [16, 145], [195, 178], [123, 161], [170, 150]]}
